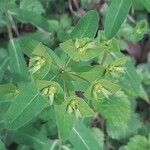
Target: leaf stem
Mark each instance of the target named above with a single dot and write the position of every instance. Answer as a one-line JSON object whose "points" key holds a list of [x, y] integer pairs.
{"points": [[80, 77], [8, 26], [67, 63], [104, 58], [66, 88]]}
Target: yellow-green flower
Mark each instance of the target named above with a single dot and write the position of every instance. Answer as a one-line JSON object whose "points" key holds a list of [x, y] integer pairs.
{"points": [[36, 63], [72, 108], [99, 89], [49, 92]]}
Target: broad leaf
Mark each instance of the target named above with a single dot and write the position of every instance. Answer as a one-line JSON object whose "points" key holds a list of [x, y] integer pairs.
{"points": [[70, 108], [35, 6], [132, 82], [101, 89], [134, 34], [82, 49], [138, 142], [85, 138], [27, 45], [40, 62], [126, 130], [146, 4], [3, 66], [116, 14], [33, 18], [64, 121], [51, 91], [29, 104], [2, 146], [116, 111]]}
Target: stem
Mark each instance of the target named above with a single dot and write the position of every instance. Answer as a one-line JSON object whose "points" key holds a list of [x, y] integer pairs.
{"points": [[67, 63], [104, 58], [8, 26], [131, 19], [54, 63], [54, 77], [66, 88], [80, 77], [13, 24]]}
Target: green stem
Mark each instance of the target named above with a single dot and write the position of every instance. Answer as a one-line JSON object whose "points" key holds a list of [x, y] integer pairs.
{"points": [[104, 58], [67, 63], [8, 26], [13, 23], [80, 77], [66, 88]]}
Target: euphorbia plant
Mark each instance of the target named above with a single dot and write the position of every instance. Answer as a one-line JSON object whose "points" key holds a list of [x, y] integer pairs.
{"points": [[58, 93]]}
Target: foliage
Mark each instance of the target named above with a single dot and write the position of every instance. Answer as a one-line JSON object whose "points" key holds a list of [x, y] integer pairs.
{"points": [[56, 79]]}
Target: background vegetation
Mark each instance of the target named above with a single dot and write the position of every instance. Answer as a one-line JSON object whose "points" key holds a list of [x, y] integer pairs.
{"points": [[74, 79]]}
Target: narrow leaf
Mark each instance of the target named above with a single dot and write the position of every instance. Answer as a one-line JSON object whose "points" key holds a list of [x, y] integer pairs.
{"points": [[87, 26], [116, 14], [17, 63]]}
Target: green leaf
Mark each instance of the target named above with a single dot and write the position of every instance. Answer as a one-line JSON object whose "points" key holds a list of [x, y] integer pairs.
{"points": [[17, 63], [3, 66], [146, 4], [77, 104], [101, 89], [126, 130], [134, 34], [86, 138], [35, 6], [132, 82], [33, 18], [4, 59], [111, 45], [26, 136], [27, 45], [40, 62], [81, 49], [64, 121], [90, 75], [51, 91], [87, 26], [2, 146], [116, 14], [140, 30], [138, 142], [29, 104], [7, 92], [116, 111], [70, 108]]}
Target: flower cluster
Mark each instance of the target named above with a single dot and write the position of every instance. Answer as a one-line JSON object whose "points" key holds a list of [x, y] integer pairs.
{"points": [[72, 108], [36, 63], [49, 92]]}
